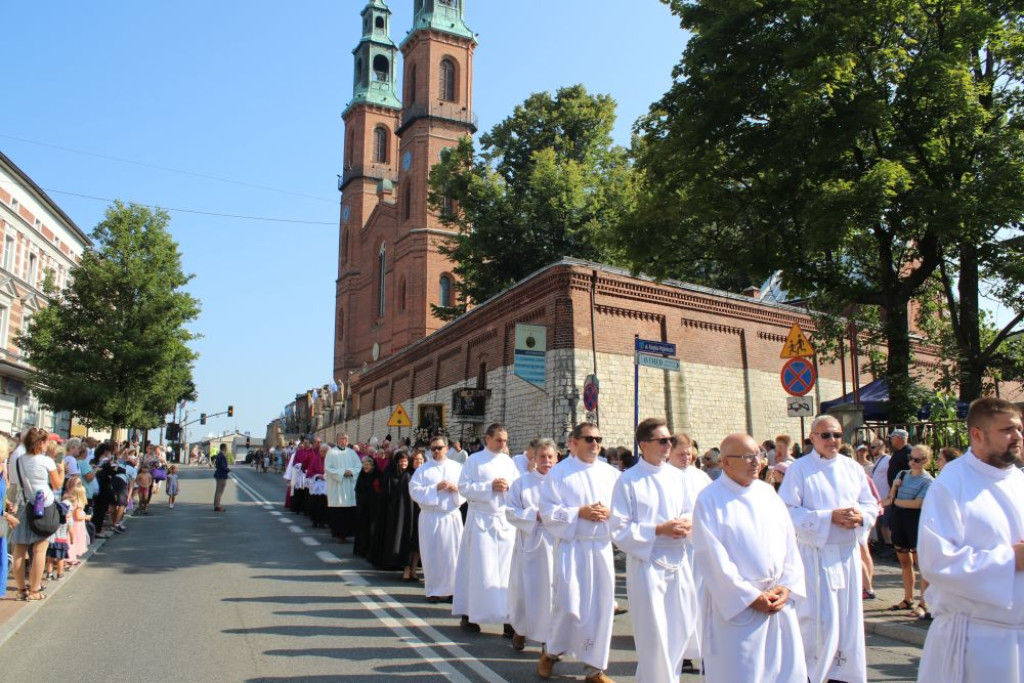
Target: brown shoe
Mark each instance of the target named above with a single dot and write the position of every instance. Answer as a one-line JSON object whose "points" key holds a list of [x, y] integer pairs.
{"points": [[518, 642], [546, 665], [468, 625], [599, 677]]}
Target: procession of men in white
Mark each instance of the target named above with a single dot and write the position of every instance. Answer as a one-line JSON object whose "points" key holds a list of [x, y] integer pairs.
{"points": [[756, 585]]}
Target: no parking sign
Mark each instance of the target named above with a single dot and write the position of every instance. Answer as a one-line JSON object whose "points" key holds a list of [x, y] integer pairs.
{"points": [[798, 376]]}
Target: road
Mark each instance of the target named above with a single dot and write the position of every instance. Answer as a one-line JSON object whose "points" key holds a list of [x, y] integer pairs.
{"points": [[255, 594]]}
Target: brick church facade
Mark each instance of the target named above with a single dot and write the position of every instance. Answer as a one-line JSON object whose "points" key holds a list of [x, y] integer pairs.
{"points": [[390, 350]]}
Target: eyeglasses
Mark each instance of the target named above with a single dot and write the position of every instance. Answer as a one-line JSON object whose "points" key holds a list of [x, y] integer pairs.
{"points": [[838, 436], [593, 439], [664, 440], [437, 449], [919, 460], [751, 458]]}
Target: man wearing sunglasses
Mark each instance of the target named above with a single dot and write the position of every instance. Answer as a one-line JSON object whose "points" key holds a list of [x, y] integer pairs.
{"points": [[971, 550], [574, 507], [747, 556], [830, 500], [485, 552], [434, 486], [650, 522]]}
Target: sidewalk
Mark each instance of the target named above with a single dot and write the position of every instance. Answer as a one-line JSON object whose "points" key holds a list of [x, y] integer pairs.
{"points": [[902, 625]]}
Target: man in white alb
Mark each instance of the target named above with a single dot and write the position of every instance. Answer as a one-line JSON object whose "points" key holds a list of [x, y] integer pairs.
{"points": [[575, 502], [747, 555], [830, 500], [971, 549], [485, 554], [529, 586], [434, 486], [341, 467], [650, 524]]}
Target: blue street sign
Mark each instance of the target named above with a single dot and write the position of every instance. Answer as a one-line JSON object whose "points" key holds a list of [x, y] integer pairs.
{"points": [[663, 348]]}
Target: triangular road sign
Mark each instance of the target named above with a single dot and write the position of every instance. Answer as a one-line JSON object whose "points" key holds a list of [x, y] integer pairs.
{"points": [[399, 418], [796, 344]]}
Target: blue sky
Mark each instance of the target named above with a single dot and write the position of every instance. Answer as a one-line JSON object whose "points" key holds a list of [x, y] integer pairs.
{"points": [[233, 107]]}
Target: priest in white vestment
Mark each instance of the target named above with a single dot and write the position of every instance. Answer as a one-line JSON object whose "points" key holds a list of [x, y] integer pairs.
{"points": [[529, 586], [435, 488], [650, 523], [341, 466], [746, 552], [575, 502], [485, 553], [971, 549], [830, 501]]}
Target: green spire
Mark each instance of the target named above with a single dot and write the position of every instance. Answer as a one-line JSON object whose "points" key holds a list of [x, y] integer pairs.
{"points": [[375, 60], [446, 16]]}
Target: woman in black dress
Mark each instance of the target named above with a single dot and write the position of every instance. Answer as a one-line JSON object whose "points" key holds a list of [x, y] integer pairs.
{"points": [[367, 487], [393, 535]]}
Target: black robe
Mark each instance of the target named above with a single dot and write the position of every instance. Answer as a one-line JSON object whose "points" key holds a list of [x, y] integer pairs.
{"points": [[395, 520], [366, 507]]}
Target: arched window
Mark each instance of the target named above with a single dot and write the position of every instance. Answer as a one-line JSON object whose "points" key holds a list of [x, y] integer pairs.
{"points": [[401, 293], [447, 89], [411, 95], [380, 23], [349, 148], [446, 292], [380, 145], [407, 200], [382, 262], [381, 69]]}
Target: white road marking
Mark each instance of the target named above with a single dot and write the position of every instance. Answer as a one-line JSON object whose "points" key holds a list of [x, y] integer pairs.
{"points": [[328, 557], [276, 513], [284, 520], [309, 540], [296, 529], [428, 655], [353, 578]]}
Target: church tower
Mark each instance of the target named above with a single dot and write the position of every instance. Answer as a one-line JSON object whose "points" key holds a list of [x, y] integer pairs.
{"points": [[370, 167], [390, 271]]}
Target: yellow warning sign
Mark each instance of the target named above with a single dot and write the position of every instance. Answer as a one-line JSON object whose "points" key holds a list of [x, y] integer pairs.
{"points": [[796, 344], [399, 418]]}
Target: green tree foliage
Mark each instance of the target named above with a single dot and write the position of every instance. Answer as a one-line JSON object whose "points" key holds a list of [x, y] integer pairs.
{"points": [[113, 347], [854, 144], [547, 183]]}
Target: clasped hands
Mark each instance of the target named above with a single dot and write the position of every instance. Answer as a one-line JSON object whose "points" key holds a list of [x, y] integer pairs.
{"points": [[675, 528], [848, 518], [499, 485], [447, 486], [771, 600], [595, 512]]}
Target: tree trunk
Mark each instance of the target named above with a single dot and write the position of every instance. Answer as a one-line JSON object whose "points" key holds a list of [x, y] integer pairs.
{"points": [[972, 365], [897, 369]]}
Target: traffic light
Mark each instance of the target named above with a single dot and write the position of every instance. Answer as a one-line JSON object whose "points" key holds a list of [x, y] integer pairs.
{"points": [[231, 411], [202, 418]]}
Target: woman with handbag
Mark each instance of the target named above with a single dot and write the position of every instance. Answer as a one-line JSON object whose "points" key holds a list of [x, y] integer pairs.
{"points": [[36, 476]]}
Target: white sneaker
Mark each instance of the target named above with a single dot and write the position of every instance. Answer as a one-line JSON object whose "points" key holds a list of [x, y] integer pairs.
{"points": [[171, 506]]}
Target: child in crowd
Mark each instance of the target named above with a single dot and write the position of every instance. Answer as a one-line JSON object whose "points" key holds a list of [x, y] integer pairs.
{"points": [[76, 499], [172, 484], [144, 484], [60, 542]]}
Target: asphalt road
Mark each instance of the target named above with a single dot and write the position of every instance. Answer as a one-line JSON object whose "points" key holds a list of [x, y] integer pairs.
{"points": [[255, 594]]}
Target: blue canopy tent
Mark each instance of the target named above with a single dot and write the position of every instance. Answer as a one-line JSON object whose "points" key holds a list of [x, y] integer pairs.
{"points": [[874, 397]]}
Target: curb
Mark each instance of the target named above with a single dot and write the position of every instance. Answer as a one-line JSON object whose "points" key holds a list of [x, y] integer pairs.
{"points": [[911, 635], [21, 617]]}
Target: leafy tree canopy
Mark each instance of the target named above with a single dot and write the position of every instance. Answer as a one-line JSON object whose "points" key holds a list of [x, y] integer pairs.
{"points": [[856, 145], [547, 183], [113, 346]]}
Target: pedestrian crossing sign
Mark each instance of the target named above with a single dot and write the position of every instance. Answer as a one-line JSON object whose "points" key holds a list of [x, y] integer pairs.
{"points": [[796, 344], [399, 418]]}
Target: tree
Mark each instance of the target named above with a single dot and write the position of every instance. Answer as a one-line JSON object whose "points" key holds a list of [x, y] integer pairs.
{"points": [[548, 183], [113, 346], [853, 144]]}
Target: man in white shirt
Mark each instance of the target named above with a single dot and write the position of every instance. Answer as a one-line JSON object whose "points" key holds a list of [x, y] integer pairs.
{"points": [[485, 553], [434, 487], [971, 549], [575, 502], [529, 587], [650, 523], [71, 448], [746, 552], [341, 467], [829, 500]]}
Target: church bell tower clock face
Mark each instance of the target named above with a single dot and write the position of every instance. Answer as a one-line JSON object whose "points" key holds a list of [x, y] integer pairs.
{"points": [[406, 161]]}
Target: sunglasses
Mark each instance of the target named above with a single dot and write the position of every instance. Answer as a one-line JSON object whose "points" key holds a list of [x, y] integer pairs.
{"points": [[919, 460], [838, 436], [593, 439], [751, 458], [437, 449], [664, 441]]}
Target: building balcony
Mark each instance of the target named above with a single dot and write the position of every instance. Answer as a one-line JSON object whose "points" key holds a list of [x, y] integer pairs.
{"points": [[441, 111]]}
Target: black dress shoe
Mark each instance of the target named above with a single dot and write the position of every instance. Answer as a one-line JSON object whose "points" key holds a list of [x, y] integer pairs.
{"points": [[468, 625], [433, 599], [509, 632]]}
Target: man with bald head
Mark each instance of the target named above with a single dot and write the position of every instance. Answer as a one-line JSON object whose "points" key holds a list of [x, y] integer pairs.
{"points": [[829, 500], [746, 552]]}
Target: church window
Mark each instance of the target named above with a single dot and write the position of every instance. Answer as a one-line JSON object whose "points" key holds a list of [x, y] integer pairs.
{"points": [[448, 3], [381, 69], [359, 72], [447, 90], [447, 208], [412, 85], [380, 23], [401, 293], [382, 262], [341, 325], [380, 145], [446, 292], [407, 201], [349, 148], [344, 246]]}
